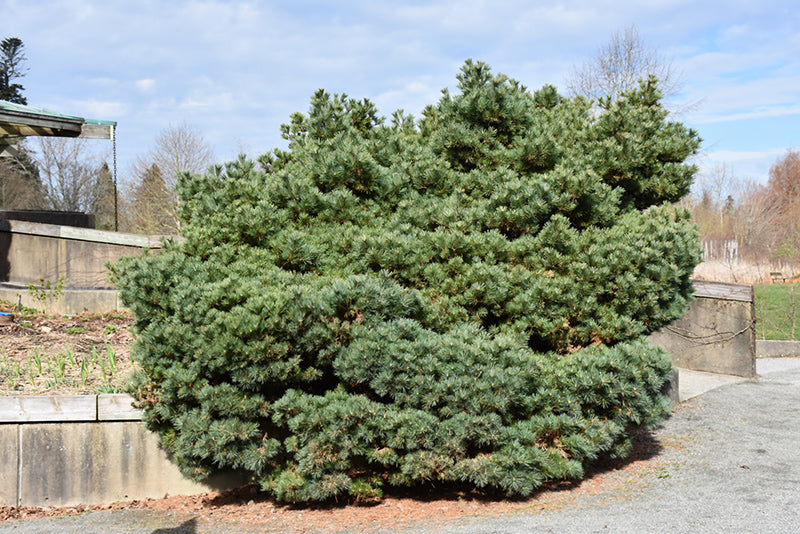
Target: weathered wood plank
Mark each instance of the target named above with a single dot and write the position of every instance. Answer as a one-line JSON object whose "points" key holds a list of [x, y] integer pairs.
{"points": [[97, 131], [48, 408], [113, 407], [722, 290]]}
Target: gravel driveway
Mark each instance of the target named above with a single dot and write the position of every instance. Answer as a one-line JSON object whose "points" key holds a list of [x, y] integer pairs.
{"points": [[733, 465]]}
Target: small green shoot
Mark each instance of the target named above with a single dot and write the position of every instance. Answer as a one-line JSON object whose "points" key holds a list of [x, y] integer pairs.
{"points": [[47, 292], [84, 370], [111, 358], [106, 388], [37, 360]]}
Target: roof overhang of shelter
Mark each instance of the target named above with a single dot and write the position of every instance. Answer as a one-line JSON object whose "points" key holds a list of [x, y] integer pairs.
{"points": [[20, 121], [23, 121]]}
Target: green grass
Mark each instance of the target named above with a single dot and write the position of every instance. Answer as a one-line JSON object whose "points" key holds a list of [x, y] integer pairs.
{"points": [[777, 311]]}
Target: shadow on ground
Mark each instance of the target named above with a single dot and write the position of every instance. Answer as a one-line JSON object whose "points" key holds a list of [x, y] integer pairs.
{"points": [[644, 447], [188, 527]]}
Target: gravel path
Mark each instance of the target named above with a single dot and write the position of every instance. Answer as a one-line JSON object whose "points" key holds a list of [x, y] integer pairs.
{"points": [[731, 463], [739, 472]]}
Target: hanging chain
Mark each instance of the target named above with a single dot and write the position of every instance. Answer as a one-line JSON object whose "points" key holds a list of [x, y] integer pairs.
{"points": [[116, 190]]}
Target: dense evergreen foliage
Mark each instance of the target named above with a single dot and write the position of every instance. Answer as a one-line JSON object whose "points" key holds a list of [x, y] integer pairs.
{"points": [[460, 298]]}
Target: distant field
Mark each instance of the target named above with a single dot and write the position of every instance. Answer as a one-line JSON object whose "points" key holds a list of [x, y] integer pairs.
{"points": [[777, 311]]}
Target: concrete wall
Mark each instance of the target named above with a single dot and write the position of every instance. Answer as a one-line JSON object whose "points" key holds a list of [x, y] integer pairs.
{"points": [[85, 449], [766, 348], [717, 334], [30, 252]]}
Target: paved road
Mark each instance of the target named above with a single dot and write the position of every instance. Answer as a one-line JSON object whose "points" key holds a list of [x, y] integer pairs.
{"points": [[736, 469]]}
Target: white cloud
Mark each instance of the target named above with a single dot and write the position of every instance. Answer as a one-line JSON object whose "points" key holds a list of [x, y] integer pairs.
{"points": [[102, 81], [203, 101], [769, 96], [760, 112], [98, 109], [145, 85], [411, 98], [151, 63]]}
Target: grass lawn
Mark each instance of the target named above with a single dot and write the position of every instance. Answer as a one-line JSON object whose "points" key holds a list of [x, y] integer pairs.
{"points": [[777, 311]]}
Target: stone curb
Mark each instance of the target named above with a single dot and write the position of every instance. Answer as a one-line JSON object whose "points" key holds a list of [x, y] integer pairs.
{"points": [[777, 349]]}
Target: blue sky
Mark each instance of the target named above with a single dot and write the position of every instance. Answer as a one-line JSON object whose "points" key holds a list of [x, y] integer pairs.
{"points": [[236, 70]]}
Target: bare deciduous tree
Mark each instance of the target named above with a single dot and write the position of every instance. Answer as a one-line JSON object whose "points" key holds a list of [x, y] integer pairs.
{"points": [[152, 204], [756, 224], [717, 193], [69, 173], [618, 67], [15, 191], [783, 186], [783, 193], [761, 221], [19, 180]]}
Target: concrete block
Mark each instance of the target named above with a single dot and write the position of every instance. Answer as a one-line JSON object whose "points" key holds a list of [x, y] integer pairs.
{"points": [[34, 251], [72, 301], [33, 228], [64, 464], [30, 252], [116, 238], [112, 407], [9, 463], [723, 290], [32, 257], [76, 301], [44, 408], [717, 335]]}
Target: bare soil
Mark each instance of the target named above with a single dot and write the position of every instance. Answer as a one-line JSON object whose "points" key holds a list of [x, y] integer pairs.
{"points": [[64, 355]]}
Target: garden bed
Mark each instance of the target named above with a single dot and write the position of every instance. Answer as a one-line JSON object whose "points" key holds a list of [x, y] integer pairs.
{"points": [[42, 354]]}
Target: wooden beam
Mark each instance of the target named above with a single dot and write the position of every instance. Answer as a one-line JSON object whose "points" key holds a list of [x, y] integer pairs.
{"points": [[97, 131], [19, 123], [8, 150]]}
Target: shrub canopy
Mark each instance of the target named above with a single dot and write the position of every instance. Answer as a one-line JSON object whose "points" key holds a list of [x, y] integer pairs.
{"points": [[460, 298]]}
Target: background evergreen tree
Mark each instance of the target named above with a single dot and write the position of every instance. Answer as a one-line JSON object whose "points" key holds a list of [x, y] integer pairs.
{"points": [[12, 57], [390, 303], [104, 201], [151, 206], [153, 202], [19, 180]]}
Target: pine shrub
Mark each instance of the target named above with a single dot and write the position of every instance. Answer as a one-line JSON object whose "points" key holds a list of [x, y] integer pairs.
{"points": [[460, 298]]}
